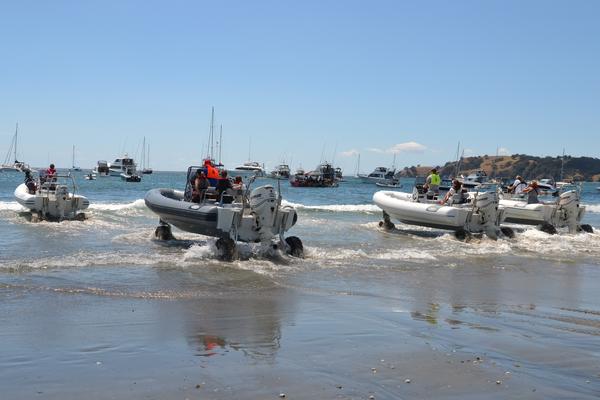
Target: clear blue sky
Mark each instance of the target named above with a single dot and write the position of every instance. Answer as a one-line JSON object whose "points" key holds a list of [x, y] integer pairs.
{"points": [[302, 79]]}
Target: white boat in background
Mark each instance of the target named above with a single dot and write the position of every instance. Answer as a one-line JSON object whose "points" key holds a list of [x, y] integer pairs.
{"points": [[474, 180], [566, 211], [547, 185], [130, 175], [53, 199], [281, 171], [249, 168], [73, 167], [90, 177], [122, 165], [11, 154], [101, 169], [379, 174], [480, 214]]}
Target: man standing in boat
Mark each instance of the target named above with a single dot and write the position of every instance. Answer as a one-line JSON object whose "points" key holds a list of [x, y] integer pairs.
{"points": [[432, 183]]}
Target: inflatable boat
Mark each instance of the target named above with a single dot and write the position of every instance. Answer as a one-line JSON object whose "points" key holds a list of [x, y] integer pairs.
{"points": [[255, 216], [53, 199], [479, 213], [565, 212]]}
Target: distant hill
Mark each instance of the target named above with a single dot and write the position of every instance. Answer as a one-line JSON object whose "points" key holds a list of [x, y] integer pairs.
{"points": [[530, 167]]}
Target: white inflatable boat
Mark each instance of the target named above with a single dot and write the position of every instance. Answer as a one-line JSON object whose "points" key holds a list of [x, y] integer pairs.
{"points": [[479, 214], [53, 199], [566, 211]]}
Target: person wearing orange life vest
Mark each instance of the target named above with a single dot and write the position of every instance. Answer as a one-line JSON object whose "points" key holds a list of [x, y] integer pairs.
{"points": [[212, 173]]}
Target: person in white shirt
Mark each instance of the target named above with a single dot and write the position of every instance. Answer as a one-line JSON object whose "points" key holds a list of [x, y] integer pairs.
{"points": [[518, 186]]}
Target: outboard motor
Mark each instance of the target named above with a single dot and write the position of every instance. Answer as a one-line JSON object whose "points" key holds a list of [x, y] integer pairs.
{"points": [[264, 205], [62, 198], [568, 211], [486, 213]]}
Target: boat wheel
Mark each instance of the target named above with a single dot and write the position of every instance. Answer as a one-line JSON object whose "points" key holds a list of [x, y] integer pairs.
{"points": [[387, 222], [508, 232], [36, 217], [163, 232], [295, 247], [548, 228], [226, 249], [462, 234], [587, 228]]}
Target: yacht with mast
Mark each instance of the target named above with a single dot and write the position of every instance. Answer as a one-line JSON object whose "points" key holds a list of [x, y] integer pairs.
{"points": [[73, 167], [146, 158], [7, 165]]}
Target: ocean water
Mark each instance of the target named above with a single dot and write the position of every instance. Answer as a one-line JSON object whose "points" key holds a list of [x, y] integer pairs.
{"points": [[536, 291]]}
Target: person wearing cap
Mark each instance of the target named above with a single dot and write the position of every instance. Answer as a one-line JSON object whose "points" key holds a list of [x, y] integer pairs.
{"points": [[518, 185], [532, 192], [432, 183]]}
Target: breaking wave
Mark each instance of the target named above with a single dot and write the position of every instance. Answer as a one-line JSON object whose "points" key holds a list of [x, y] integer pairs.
{"points": [[357, 208]]}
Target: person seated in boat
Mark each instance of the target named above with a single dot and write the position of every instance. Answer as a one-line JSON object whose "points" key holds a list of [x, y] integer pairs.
{"points": [[223, 185], [456, 194], [51, 171], [238, 188], [199, 185], [532, 192], [30, 183], [518, 185], [432, 184]]}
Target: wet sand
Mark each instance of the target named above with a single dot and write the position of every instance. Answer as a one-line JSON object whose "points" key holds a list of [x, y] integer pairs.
{"points": [[528, 330]]}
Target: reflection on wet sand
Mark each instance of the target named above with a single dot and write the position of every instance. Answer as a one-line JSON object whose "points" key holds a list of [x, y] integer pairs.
{"points": [[249, 324]]}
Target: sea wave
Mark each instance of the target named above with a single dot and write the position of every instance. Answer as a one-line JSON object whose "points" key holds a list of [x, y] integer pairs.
{"points": [[10, 206], [593, 208], [359, 208]]}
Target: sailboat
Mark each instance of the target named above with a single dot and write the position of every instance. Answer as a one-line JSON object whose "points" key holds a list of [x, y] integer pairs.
{"points": [[73, 167], [146, 158], [7, 165]]}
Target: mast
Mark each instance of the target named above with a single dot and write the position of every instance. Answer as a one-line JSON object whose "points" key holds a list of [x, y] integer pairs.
{"points": [[143, 154], [16, 135], [73, 158], [562, 165], [211, 138], [220, 142], [457, 167]]}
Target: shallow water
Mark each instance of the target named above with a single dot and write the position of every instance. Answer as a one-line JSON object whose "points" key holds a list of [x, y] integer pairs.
{"points": [[75, 294]]}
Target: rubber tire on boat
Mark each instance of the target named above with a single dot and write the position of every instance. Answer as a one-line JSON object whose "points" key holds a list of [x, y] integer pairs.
{"points": [[462, 235], [295, 247], [508, 232], [225, 249], [548, 228], [587, 228]]}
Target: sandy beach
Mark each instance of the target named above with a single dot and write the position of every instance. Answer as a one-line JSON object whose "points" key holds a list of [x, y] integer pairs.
{"points": [[476, 330]]}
